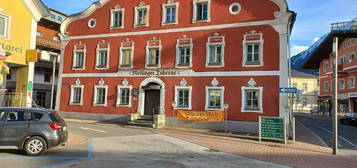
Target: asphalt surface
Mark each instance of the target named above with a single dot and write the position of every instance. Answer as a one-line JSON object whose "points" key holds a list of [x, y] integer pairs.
{"points": [[321, 126], [117, 146]]}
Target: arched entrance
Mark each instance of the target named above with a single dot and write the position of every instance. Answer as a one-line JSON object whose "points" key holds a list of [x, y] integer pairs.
{"points": [[152, 97]]}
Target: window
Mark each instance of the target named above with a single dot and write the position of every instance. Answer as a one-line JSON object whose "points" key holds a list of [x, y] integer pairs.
{"points": [[304, 101], [126, 57], [341, 60], [351, 82], [183, 97], [184, 56], [141, 15], [253, 49], [126, 54], [4, 26], [18, 116], [124, 94], [102, 59], [351, 57], [79, 53], [235, 8], [305, 87], [215, 52], [326, 65], [184, 48], [153, 54], [214, 96], [53, 16], [48, 76], [170, 13], [252, 99], [201, 11], [295, 85], [342, 84], [100, 95], [326, 86], [117, 17], [92, 22], [59, 18], [76, 93]]}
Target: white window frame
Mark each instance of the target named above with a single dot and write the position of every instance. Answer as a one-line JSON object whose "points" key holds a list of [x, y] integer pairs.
{"points": [[84, 50], [341, 87], [354, 82], [136, 9], [117, 9], [164, 7], [260, 101], [326, 83], [119, 95], [349, 56], [178, 45], [148, 47], [194, 17], [98, 49], [207, 97], [7, 26], [72, 95], [131, 56], [95, 103], [189, 88], [208, 51], [245, 43]]}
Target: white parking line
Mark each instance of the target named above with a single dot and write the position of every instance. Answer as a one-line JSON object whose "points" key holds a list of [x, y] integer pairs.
{"points": [[85, 128], [338, 136]]}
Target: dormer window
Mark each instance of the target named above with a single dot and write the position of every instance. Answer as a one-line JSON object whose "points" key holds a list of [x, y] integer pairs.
{"points": [[170, 13], [117, 17], [201, 11], [142, 15]]}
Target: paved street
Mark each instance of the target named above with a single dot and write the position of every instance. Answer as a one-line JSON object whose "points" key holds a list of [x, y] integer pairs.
{"points": [[115, 146], [321, 126]]}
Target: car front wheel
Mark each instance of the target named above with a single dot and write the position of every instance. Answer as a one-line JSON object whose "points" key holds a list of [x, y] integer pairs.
{"points": [[35, 146]]}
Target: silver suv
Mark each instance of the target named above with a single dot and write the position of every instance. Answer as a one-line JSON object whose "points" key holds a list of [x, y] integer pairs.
{"points": [[32, 130]]}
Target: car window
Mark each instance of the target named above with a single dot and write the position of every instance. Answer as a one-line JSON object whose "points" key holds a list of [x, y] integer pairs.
{"points": [[37, 116], [16, 116], [54, 116], [2, 113]]}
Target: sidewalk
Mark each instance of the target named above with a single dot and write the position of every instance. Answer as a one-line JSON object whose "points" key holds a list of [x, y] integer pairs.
{"points": [[307, 152]]}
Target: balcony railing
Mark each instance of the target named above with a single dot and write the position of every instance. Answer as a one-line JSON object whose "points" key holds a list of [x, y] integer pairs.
{"points": [[351, 25], [48, 43]]}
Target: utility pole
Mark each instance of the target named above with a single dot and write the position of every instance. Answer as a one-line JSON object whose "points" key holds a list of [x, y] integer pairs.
{"points": [[53, 80], [335, 97]]}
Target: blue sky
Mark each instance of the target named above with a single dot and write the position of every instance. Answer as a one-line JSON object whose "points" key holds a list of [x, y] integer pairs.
{"points": [[313, 20]]}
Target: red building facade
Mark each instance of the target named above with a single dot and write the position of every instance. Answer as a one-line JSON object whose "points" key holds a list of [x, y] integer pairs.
{"points": [[347, 66], [156, 57]]}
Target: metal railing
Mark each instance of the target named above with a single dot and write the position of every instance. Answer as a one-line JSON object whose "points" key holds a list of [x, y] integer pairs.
{"points": [[350, 25]]}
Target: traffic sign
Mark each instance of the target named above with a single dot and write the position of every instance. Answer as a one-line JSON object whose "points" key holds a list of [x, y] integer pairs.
{"points": [[273, 128], [288, 90]]}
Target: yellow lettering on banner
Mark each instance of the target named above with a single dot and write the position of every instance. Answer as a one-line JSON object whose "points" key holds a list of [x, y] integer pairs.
{"points": [[200, 116]]}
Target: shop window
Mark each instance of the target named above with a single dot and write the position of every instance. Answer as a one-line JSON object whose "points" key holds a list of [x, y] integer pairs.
{"points": [[126, 54], [141, 15], [77, 93], [4, 26], [170, 13], [100, 94], [117, 17], [153, 53], [102, 58], [124, 94], [252, 97], [215, 51], [79, 54], [201, 11], [183, 95], [253, 49], [214, 96]]}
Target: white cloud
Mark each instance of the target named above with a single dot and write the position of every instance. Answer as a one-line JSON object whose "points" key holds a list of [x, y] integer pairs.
{"points": [[296, 49]]}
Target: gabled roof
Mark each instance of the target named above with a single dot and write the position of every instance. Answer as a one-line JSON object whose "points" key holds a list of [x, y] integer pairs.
{"points": [[324, 48]]}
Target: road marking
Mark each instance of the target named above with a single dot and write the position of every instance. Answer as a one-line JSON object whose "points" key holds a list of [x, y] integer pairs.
{"points": [[85, 128], [338, 136], [313, 133]]}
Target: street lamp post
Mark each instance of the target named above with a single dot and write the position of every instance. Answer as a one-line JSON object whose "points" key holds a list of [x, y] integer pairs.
{"points": [[173, 113], [53, 80], [226, 106], [335, 97]]}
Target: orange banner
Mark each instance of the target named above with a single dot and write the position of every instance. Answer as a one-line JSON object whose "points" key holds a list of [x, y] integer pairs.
{"points": [[200, 116]]}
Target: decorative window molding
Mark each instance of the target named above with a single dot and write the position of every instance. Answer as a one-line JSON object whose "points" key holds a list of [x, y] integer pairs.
{"points": [[235, 8], [99, 98], [117, 23], [215, 51], [184, 46], [124, 94], [92, 23], [218, 101], [253, 39], [351, 82], [141, 18], [127, 47], [79, 56], [168, 9], [102, 55], [205, 15], [77, 93], [180, 92], [255, 101], [5, 23], [153, 53]]}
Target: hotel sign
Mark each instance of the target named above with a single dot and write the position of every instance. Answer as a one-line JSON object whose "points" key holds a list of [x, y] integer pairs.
{"points": [[154, 73]]}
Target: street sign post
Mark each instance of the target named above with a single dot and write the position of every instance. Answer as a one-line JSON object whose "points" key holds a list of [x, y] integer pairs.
{"points": [[288, 90], [272, 128]]}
